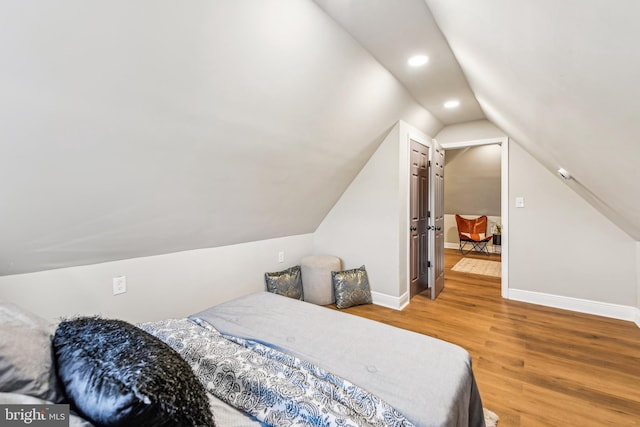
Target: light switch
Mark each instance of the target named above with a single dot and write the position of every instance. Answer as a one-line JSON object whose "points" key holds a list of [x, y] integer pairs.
{"points": [[520, 202]]}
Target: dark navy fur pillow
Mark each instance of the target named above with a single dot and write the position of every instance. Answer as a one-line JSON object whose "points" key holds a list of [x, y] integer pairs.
{"points": [[116, 374]]}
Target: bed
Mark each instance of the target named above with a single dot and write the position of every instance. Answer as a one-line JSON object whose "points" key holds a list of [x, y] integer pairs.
{"points": [[426, 380]]}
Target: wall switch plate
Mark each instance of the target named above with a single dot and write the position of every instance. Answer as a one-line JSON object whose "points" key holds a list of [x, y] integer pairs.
{"points": [[520, 202], [281, 256], [119, 285]]}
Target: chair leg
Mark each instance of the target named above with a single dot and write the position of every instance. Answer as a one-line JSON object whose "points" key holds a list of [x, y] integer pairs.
{"points": [[481, 247], [475, 247], [485, 249], [463, 244]]}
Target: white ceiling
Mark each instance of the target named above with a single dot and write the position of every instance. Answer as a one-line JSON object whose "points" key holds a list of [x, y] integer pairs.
{"points": [[394, 31], [137, 128], [130, 129], [558, 77]]}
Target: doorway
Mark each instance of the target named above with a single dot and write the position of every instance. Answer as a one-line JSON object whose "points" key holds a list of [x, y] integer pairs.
{"points": [[503, 196]]}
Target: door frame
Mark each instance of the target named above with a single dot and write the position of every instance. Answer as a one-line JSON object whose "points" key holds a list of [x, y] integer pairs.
{"points": [[504, 197], [407, 133]]}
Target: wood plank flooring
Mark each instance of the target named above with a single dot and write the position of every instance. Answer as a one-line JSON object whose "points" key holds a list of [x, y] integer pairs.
{"points": [[535, 366]]}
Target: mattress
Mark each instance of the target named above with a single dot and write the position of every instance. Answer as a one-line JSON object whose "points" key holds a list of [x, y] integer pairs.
{"points": [[428, 380]]}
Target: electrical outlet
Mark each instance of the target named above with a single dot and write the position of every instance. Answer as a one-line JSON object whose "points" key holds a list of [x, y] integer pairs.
{"points": [[119, 285], [520, 202], [281, 256]]}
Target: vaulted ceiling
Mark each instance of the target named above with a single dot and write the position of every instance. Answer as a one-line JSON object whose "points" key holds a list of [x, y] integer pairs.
{"points": [[558, 77], [130, 129], [137, 128]]}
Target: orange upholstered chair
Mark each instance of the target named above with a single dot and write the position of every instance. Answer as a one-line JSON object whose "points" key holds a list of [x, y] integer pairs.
{"points": [[473, 232]]}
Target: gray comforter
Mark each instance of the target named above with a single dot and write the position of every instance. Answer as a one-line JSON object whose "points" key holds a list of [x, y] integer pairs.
{"points": [[427, 380], [274, 387]]}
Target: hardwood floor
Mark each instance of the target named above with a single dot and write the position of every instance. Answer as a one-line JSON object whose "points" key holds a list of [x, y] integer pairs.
{"points": [[535, 366]]}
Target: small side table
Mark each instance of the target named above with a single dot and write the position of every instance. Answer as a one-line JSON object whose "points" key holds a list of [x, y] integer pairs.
{"points": [[497, 243]]}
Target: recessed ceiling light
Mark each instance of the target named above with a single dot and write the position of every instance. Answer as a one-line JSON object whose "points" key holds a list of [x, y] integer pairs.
{"points": [[418, 60], [452, 104]]}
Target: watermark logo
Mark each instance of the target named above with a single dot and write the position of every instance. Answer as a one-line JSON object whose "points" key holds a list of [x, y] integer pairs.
{"points": [[52, 415]]}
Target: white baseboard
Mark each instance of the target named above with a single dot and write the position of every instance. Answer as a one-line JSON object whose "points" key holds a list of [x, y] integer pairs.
{"points": [[396, 303], [614, 311]]}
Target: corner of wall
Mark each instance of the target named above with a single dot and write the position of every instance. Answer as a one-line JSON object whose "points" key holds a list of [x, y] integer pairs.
{"points": [[361, 228], [384, 300]]}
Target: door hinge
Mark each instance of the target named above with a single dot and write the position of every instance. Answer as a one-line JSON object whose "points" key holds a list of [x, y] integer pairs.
{"points": [[428, 264], [428, 214]]}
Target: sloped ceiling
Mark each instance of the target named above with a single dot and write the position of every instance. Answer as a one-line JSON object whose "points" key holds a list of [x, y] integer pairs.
{"points": [[131, 129], [137, 128], [559, 77], [394, 31]]}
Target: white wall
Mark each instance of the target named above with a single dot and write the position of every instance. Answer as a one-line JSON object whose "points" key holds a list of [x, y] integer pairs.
{"points": [[562, 251], [469, 131], [369, 224], [163, 286], [560, 245], [362, 227]]}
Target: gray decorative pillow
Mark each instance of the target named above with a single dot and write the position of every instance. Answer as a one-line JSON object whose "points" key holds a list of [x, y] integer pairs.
{"points": [[351, 287], [287, 282], [26, 357]]}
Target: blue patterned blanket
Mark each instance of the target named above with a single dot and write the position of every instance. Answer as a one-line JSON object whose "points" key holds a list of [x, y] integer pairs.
{"points": [[274, 387]]}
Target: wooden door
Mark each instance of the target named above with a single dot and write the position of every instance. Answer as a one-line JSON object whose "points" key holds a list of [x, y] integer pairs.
{"points": [[418, 218], [437, 258]]}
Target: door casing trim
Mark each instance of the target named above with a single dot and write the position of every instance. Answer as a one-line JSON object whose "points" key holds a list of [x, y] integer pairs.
{"points": [[504, 197]]}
